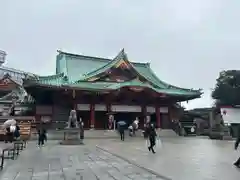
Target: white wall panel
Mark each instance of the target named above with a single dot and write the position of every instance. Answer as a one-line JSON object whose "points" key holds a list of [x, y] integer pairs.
{"points": [[83, 107], [126, 108], [163, 109], [151, 109], [100, 107]]}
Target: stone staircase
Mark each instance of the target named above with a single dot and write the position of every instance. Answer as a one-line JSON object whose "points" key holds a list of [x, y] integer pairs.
{"points": [[101, 134], [88, 134]]}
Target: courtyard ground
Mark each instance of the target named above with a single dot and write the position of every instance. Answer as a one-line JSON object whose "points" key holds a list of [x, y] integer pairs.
{"points": [[182, 158], [57, 162], [178, 159]]}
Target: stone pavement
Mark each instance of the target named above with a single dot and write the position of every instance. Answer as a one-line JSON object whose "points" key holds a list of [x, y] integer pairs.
{"points": [[181, 158], [57, 162]]}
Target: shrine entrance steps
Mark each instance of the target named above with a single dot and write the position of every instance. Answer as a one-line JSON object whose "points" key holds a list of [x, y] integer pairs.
{"points": [[102, 134]]}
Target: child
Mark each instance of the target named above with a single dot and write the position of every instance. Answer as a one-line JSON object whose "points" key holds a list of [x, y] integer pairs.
{"points": [[42, 136]]}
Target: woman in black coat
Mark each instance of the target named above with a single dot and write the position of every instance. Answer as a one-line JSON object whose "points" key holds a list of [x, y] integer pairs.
{"points": [[152, 137], [42, 135]]}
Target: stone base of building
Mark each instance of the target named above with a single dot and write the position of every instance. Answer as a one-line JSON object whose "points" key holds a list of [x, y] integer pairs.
{"points": [[71, 137], [71, 142]]}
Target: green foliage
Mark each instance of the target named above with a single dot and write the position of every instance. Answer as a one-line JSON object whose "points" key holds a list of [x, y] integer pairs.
{"points": [[227, 89]]}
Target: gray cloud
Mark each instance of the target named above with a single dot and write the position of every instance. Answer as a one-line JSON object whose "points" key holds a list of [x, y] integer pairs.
{"points": [[187, 42]]}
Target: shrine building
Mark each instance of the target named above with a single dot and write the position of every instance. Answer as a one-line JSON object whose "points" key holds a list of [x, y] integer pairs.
{"points": [[96, 87]]}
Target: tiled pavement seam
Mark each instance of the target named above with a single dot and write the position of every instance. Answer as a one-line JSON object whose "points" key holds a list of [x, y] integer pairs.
{"points": [[132, 162]]}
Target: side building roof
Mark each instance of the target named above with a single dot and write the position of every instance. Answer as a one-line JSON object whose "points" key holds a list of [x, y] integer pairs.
{"points": [[17, 77]]}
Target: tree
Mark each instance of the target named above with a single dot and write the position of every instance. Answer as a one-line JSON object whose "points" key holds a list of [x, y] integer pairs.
{"points": [[227, 89]]}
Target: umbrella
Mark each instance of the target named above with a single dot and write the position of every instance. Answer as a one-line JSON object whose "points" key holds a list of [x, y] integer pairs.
{"points": [[121, 123], [9, 122]]}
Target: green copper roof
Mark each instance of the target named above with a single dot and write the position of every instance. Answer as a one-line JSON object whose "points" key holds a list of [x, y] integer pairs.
{"points": [[111, 63], [72, 70], [78, 67], [103, 86]]}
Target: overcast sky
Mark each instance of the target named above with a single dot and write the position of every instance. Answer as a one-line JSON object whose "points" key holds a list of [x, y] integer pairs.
{"points": [[187, 42]]}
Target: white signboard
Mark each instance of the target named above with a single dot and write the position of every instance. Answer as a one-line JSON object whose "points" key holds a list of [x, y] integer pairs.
{"points": [[231, 115], [163, 109], [100, 107], [83, 107], [125, 108], [151, 109]]}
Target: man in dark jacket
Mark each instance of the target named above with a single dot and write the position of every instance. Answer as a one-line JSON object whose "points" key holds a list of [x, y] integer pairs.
{"points": [[42, 135], [121, 131], [152, 137], [237, 163]]}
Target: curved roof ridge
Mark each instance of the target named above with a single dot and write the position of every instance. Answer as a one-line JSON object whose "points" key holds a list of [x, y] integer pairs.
{"points": [[155, 76], [169, 85], [120, 56], [107, 60], [84, 56], [16, 71], [54, 76], [141, 63], [186, 89]]}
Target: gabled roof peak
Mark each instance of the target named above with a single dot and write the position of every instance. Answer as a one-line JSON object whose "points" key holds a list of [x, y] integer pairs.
{"points": [[84, 56], [107, 60]]}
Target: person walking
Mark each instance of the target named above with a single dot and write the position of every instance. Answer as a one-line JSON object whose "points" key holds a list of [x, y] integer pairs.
{"points": [[42, 136], [152, 138], [237, 163], [121, 131]]}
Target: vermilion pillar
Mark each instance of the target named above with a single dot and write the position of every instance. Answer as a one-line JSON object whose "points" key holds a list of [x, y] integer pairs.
{"points": [[158, 117], [92, 116], [144, 114]]}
